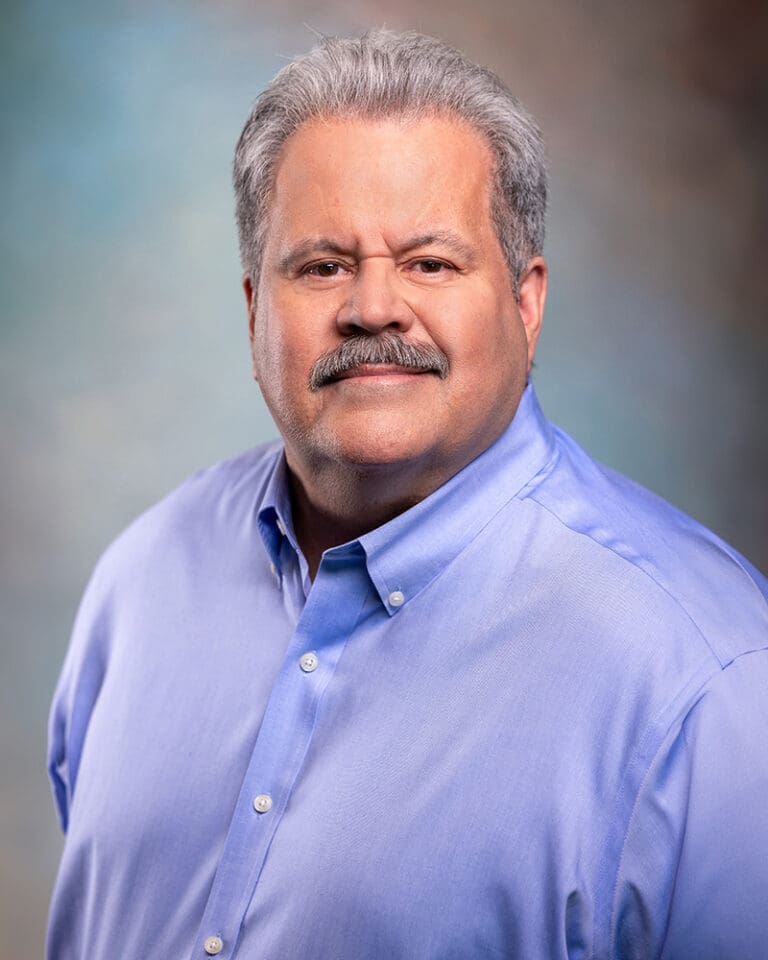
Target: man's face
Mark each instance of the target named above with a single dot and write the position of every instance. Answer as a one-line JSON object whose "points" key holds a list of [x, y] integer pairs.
{"points": [[385, 227]]}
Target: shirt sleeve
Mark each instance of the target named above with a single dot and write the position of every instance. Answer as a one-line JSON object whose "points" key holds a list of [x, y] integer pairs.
{"points": [[693, 879], [76, 694]]}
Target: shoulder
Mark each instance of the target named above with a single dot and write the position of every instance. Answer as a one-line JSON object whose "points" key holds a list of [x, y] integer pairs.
{"points": [[654, 560], [213, 500], [202, 530], [679, 620]]}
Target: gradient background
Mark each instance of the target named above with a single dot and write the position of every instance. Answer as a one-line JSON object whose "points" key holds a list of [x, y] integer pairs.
{"points": [[123, 341]]}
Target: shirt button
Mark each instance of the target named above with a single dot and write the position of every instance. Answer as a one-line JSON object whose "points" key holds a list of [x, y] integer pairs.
{"points": [[213, 945], [396, 599], [280, 526], [309, 662], [261, 804]]}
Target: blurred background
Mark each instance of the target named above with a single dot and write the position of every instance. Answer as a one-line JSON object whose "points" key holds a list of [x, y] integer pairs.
{"points": [[123, 352]]}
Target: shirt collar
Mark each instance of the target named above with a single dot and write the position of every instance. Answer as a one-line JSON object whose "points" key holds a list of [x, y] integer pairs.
{"points": [[404, 555], [274, 517]]}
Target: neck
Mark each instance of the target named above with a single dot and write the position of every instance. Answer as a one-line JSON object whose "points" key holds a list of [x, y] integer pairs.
{"points": [[334, 506]]}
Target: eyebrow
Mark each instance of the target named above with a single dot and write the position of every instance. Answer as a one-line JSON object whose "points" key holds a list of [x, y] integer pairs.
{"points": [[290, 260], [445, 238], [305, 248]]}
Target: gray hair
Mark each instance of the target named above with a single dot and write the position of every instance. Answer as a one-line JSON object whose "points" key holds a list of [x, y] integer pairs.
{"points": [[385, 74]]}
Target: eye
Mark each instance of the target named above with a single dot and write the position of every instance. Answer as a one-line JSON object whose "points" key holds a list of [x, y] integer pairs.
{"points": [[428, 265], [326, 268]]}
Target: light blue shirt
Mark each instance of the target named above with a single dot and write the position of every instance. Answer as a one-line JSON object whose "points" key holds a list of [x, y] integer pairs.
{"points": [[526, 719]]}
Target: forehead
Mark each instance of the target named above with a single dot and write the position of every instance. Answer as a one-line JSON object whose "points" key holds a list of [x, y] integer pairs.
{"points": [[367, 177]]}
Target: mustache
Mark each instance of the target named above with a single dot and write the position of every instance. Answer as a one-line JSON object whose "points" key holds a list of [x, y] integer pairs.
{"points": [[389, 348]]}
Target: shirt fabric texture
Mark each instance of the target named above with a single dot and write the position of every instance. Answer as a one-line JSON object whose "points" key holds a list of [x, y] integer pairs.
{"points": [[534, 726]]}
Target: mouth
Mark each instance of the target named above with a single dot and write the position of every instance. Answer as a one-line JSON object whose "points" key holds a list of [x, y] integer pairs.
{"points": [[381, 371]]}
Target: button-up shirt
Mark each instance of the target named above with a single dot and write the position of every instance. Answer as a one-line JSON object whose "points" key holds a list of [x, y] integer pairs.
{"points": [[526, 718]]}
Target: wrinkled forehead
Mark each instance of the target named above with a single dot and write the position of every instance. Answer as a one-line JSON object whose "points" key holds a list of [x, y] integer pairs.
{"points": [[394, 174]]}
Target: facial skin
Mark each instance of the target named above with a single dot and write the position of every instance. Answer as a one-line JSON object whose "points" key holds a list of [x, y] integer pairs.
{"points": [[385, 227]]}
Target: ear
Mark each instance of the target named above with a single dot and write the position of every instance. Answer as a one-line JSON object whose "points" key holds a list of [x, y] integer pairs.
{"points": [[532, 293], [250, 300]]}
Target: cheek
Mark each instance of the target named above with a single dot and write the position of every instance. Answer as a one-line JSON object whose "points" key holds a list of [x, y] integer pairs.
{"points": [[486, 334], [292, 327], [282, 362]]}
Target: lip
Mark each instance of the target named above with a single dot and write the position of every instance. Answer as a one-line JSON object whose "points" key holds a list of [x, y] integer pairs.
{"points": [[380, 371]]}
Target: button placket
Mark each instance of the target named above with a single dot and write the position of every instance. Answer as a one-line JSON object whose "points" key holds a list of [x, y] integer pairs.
{"points": [[286, 730]]}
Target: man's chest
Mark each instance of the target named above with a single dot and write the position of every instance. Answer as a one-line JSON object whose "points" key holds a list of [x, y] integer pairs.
{"points": [[429, 790]]}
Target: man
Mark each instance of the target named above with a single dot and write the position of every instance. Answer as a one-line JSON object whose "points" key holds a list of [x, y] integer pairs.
{"points": [[422, 680]]}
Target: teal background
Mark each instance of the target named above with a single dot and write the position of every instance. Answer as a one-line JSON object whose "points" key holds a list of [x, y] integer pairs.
{"points": [[123, 350]]}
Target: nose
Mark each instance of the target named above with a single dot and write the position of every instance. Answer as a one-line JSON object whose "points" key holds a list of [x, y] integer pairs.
{"points": [[375, 302]]}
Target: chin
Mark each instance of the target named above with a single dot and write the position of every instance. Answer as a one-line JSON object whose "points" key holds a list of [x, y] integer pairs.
{"points": [[371, 448], [373, 455]]}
